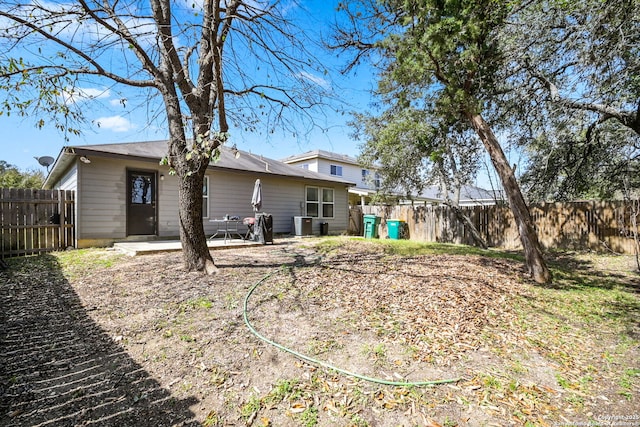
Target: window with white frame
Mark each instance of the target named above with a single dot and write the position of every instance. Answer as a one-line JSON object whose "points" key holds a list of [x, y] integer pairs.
{"points": [[320, 202], [336, 170], [313, 201], [327, 202], [205, 197]]}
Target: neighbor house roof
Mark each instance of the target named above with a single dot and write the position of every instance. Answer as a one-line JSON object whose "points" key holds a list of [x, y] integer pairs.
{"points": [[156, 150], [321, 154], [468, 193]]}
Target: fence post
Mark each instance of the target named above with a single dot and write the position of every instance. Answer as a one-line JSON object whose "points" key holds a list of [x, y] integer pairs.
{"points": [[61, 226]]}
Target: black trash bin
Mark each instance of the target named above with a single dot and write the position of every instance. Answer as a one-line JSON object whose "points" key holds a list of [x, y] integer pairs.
{"points": [[264, 228], [324, 228]]}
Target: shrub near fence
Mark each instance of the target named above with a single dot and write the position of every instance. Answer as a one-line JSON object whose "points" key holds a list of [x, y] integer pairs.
{"points": [[34, 221], [573, 225]]}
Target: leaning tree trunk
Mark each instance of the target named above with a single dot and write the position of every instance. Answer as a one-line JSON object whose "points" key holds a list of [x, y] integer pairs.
{"points": [[194, 241], [466, 221], [528, 237]]}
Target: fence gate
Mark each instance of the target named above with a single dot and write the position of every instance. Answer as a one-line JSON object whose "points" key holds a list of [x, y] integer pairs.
{"points": [[35, 221]]}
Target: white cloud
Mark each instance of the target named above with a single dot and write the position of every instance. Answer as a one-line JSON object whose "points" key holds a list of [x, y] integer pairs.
{"points": [[118, 102], [115, 124], [324, 83], [80, 94]]}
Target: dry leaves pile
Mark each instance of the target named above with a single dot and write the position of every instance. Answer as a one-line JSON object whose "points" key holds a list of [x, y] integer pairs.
{"points": [[170, 348], [437, 304]]}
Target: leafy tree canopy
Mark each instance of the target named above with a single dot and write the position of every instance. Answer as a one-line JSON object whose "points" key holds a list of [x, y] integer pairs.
{"points": [[443, 57], [573, 98], [11, 177]]}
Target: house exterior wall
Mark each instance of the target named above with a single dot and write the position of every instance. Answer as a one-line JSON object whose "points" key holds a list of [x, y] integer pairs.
{"points": [[350, 171], [312, 164], [70, 179], [101, 200], [283, 198]]}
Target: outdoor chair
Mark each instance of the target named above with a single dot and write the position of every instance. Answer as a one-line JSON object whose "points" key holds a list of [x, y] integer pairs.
{"points": [[250, 223]]}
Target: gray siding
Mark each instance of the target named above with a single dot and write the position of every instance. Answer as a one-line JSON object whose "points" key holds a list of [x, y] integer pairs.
{"points": [[283, 198], [101, 199], [70, 180], [350, 172]]}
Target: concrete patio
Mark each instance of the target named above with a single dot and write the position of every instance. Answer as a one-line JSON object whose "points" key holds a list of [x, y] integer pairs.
{"points": [[155, 246]]}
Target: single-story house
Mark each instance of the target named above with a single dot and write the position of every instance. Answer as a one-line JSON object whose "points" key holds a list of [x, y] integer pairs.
{"points": [[109, 180], [470, 195]]}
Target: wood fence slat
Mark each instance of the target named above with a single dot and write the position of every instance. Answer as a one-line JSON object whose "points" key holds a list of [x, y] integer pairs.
{"points": [[588, 225], [25, 221]]}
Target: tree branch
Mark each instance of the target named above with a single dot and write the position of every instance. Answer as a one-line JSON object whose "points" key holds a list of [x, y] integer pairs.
{"points": [[627, 118], [98, 69]]}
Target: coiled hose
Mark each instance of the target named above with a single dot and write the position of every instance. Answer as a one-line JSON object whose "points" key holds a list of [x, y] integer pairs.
{"points": [[324, 364]]}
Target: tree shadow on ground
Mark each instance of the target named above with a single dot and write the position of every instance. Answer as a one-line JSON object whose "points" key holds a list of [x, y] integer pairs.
{"points": [[573, 271], [58, 367]]}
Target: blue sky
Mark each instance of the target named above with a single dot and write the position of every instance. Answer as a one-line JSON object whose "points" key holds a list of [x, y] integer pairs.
{"points": [[111, 122]]}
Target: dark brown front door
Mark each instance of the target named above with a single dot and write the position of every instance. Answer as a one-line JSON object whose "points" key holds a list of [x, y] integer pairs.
{"points": [[141, 203]]}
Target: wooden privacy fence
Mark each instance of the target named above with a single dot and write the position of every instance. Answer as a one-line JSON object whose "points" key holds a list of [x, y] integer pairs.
{"points": [[35, 221], [574, 225]]}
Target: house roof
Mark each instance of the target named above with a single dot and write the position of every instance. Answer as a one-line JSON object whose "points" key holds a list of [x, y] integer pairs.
{"points": [[321, 154], [467, 193], [155, 150]]}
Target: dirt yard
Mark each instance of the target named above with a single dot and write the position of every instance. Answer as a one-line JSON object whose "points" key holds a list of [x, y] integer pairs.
{"points": [[92, 337]]}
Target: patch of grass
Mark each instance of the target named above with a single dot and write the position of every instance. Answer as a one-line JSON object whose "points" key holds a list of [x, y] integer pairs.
{"points": [[200, 303], [378, 352], [575, 400], [329, 244], [187, 338], [251, 407], [218, 376], [414, 248], [283, 390], [518, 368], [626, 381], [316, 347], [563, 382], [231, 301], [358, 421], [309, 417], [212, 420], [80, 262], [448, 422], [490, 381]]}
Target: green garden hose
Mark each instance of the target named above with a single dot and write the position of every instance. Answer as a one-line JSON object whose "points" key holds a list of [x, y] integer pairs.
{"points": [[324, 364]]}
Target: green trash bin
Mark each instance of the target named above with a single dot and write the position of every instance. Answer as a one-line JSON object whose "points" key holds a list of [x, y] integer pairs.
{"points": [[371, 223], [395, 228]]}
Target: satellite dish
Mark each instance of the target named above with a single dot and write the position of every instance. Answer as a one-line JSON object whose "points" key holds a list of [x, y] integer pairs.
{"points": [[45, 161]]}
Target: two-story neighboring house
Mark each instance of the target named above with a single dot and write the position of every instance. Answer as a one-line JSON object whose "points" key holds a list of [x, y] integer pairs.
{"points": [[342, 166], [368, 180]]}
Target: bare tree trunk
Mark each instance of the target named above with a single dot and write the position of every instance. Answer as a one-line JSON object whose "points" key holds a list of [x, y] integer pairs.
{"points": [[194, 241], [532, 251], [633, 229], [190, 173]]}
